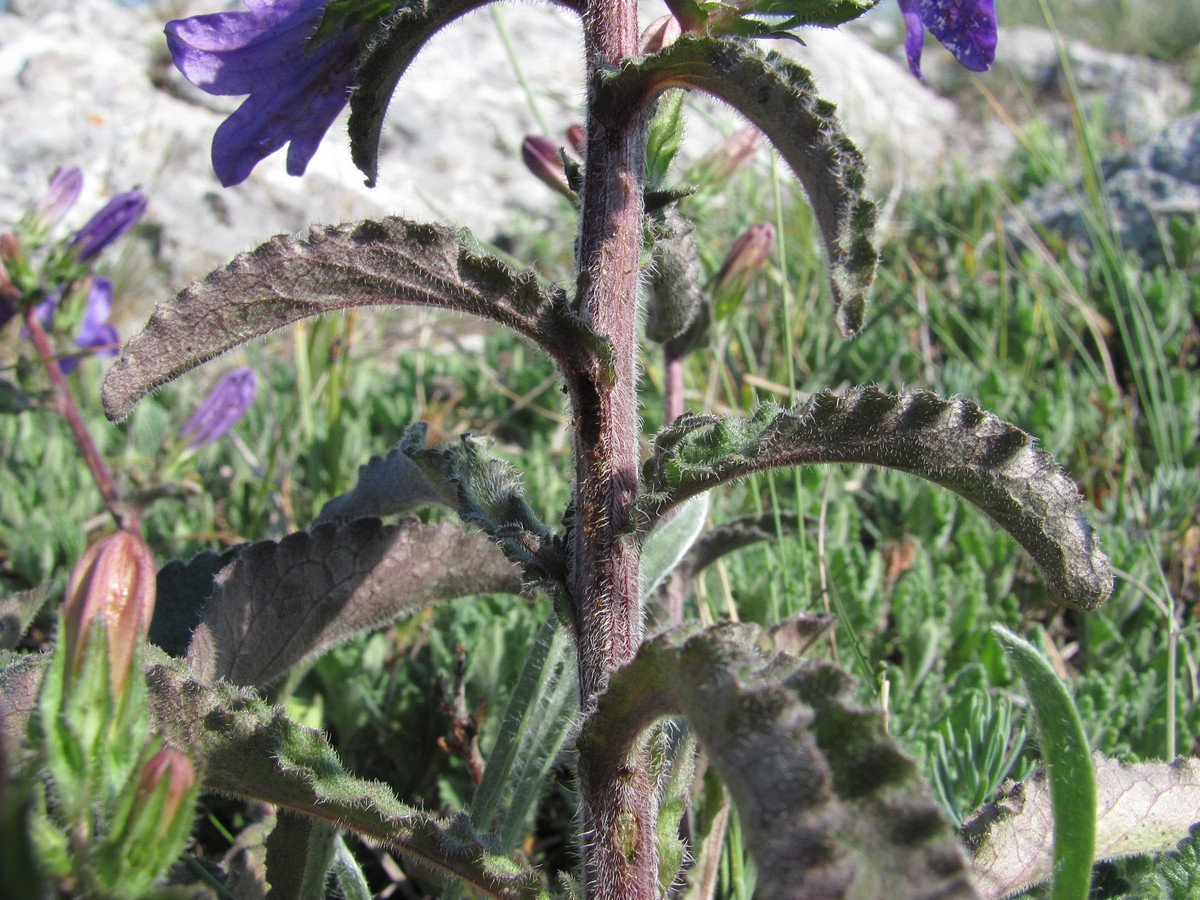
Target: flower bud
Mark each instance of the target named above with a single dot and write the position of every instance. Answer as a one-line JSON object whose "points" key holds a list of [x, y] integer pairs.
{"points": [[690, 14], [660, 33], [227, 403], [111, 587], [674, 293], [177, 769], [577, 138], [543, 159], [731, 154], [120, 214], [744, 261], [65, 187]]}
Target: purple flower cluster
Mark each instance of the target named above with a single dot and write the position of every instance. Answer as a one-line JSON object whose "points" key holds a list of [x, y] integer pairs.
{"points": [[69, 274], [297, 87], [967, 28]]}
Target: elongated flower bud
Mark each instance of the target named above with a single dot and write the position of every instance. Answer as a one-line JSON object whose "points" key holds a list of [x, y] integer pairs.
{"points": [[112, 587], [120, 214], [65, 187], [226, 404], [577, 138], [731, 154], [543, 159], [660, 33], [177, 769], [744, 261]]}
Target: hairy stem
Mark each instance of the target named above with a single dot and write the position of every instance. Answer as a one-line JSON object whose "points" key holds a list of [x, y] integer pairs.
{"points": [[617, 796], [65, 406]]}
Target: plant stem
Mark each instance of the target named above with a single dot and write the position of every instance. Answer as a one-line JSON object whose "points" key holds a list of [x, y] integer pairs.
{"points": [[65, 406], [617, 796]]}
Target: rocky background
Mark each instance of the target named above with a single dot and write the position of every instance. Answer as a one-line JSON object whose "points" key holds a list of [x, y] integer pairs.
{"points": [[90, 83]]}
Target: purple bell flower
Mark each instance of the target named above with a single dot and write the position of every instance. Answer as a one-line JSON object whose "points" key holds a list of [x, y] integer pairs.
{"points": [[120, 214], [967, 28], [296, 89], [65, 188], [226, 404]]}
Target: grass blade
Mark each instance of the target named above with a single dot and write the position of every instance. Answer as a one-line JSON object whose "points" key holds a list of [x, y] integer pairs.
{"points": [[1068, 767]]}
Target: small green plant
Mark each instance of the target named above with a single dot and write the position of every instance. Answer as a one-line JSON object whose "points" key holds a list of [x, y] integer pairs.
{"points": [[794, 771]]}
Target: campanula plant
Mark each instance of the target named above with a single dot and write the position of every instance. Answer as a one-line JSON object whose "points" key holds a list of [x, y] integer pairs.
{"points": [[650, 722]]}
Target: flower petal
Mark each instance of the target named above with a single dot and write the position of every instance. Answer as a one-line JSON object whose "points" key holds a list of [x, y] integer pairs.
{"points": [[967, 28], [296, 90], [914, 41]]}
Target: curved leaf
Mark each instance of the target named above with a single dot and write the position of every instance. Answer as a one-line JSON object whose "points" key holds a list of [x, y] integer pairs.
{"points": [[249, 749], [829, 805], [281, 602], [954, 443], [385, 263], [386, 485], [488, 493], [1142, 808], [780, 98], [382, 65]]}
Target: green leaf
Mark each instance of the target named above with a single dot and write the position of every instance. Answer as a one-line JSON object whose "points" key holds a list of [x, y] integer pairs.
{"points": [[386, 485], [780, 98], [387, 263], [349, 874], [667, 544], [1142, 808], [488, 493], [249, 749], [381, 66], [829, 805], [954, 443], [664, 138], [282, 602], [300, 851], [1068, 767]]}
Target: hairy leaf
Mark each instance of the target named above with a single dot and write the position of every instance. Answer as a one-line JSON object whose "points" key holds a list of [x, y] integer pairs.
{"points": [[1068, 767], [954, 443], [829, 805], [17, 612], [249, 749], [386, 485], [487, 492], [20, 681], [780, 98], [384, 63], [183, 590], [386, 263], [782, 17], [1142, 808], [281, 602]]}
